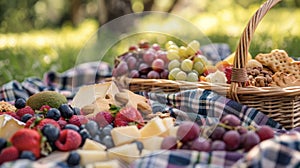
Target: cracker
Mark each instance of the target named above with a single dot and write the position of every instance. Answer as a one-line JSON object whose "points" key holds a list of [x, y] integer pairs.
{"points": [[284, 80], [279, 61]]}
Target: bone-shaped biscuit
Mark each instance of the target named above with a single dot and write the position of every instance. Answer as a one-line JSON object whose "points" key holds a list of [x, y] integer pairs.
{"points": [[279, 61]]}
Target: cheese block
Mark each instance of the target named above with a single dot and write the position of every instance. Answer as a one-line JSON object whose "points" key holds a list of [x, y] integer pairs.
{"points": [[155, 127], [169, 123], [9, 125], [93, 145], [127, 152], [86, 95], [173, 131], [152, 143], [91, 156], [126, 134]]}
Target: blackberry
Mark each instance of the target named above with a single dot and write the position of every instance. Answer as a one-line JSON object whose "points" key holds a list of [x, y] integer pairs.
{"points": [[20, 103], [53, 113]]}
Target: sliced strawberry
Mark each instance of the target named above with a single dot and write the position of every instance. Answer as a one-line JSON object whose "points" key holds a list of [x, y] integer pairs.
{"points": [[27, 139], [78, 120], [68, 140], [25, 110], [128, 115], [10, 153], [104, 118]]}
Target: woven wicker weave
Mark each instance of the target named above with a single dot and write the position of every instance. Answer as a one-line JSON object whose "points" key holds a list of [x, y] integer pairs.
{"points": [[281, 104]]}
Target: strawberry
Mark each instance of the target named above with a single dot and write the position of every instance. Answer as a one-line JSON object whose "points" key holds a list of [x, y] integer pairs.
{"points": [[27, 140], [68, 140], [78, 120], [25, 110], [127, 116], [38, 123], [10, 153], [104, 118]]}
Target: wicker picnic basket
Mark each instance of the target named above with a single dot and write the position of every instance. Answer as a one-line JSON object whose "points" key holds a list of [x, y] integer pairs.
{"points": [[281, 104]]}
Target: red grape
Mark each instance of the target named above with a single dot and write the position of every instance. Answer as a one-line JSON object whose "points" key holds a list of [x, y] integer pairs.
{"points": [[122, 68], [134, 74], [169, 143], [158, 65], [231, 120], [156, 46], [164, 74], [131, 62], [188, 131], [242, 130], [162, 55], [148, 57], [265, 132], [218, 133], [218, 145], [232, 139], [153, 75], [249, 140], [144, 68]]}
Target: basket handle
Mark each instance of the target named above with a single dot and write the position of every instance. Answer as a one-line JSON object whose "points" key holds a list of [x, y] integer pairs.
{"points": [[239, 73]]}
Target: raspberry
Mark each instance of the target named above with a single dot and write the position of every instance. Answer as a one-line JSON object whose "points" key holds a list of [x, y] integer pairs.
{"points": [[9, 154], [45, 108], [25, 110], [78, 120], [68, 140], [62, 122], [45, 121], [104, 118]]}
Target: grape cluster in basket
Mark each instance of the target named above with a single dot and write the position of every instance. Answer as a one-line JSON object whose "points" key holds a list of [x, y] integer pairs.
{"points": [[228, 135]]}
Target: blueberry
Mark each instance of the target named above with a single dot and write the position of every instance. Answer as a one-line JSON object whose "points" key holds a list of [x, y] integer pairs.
{"points": [[92, 127], [72, 127], [76, 110], [3, 143], [26, 117], [62, 165], [108, 142], [73, 159], [51, 132], [107, 130], [53, 113], [27, 155], [84, 135], [20, 103], [66, 111], [97, 138]]}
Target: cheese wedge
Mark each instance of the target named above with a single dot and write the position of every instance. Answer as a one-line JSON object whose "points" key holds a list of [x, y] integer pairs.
{"points": [[155, 127], [93, 145], [91, 156], [127, 152], [169, 123], [105, 164], [152, 143], [124, 135], [9, 125]]}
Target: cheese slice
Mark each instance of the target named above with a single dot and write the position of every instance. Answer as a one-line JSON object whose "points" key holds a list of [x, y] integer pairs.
{"points": [[126, 134], [9, 125], [127, 152], [152, 143]]}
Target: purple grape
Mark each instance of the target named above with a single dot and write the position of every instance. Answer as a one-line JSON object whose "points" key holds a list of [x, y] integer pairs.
{"points": [[156, 46], [164, 74], [188, 131], [153, 75], [200, 144], [169, 143], [122, 68], [132, 62], [231, 120], [149, 57], [144, 68], [249, 140], [134, 74], [232, 139], [162, 55], [218, 145], [218, 133], [242, 130], [158, 65], [265, 132]]}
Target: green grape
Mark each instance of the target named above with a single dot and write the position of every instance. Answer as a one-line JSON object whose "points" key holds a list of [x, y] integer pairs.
{"points": [[167, 45], [181, 76], [172, 54], [182, 52], [192, 77], [199, 67], [187, 65], [193, 47], [173, 64], [173, 73], [202, 59], [173, 47]]}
